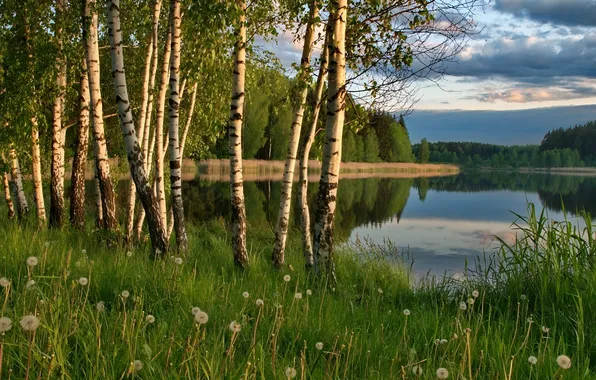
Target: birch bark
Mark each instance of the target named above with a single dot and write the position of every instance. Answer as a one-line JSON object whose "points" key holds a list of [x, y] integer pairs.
{"points": [[17, 179]]}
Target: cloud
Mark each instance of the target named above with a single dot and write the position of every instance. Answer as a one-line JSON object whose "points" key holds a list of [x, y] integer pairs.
{"points": [[566, 90], [558, 12]]}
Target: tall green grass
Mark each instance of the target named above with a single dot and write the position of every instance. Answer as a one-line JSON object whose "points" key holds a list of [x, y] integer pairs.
{"points": [[536, 298]]}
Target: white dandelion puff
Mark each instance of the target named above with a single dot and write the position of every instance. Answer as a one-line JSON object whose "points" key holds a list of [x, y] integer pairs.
{"points": [[470, 301], [125, 294], [407, 312], [5, 324], [83, 281], [523, 297], [202, 318], [545, 329], [150, 318], [129, 254], [138, 365], [30, 323], [319, 346], [442, 373], [564, 361], [463, 306], [287, 278], [245, 294], [308, 292], [100, 306], [444, 341], [290, 373], [380, 290], [235, 326], [532, 360], [298, 296], [32, 261], [417, 370], [30, 283], [4, 282], [195, 310], [437, 341], [475, 294], [259, 302], [84, 251], [178, 260]]}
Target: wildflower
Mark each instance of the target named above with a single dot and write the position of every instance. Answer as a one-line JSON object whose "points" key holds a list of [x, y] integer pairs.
{"points": [[178, 260], [319, 346], [100, 306], [470, 301], [287, 278], [545, 329], [530, 320], [463, 306], [32, 261], [30, 283], [290, 373], [308, 292], [259, 302], [454, 336], [437, 341], [202, 318], [195, 310], [245, 295], [298, 295], [4, 282], [78, 264], [407, 312], [138, 365], [442, 373], [380, 290], [150, 318], [5, 324], [83, 281], [46, 244], [475, 294], [125, 294], [523, 297], [235, 326], [444, 341], [532, 360], [416, 370], [84, 251], [29, 323], [129, 254], [564, 361]]}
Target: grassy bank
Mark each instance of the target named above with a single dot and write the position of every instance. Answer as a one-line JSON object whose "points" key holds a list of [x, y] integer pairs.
{"points": [[538, 302]]}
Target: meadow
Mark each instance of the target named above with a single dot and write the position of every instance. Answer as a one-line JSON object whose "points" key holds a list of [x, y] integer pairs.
{"points": [[81, 306]]}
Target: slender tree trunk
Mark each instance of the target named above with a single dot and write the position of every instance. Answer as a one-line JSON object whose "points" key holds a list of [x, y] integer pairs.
{"points": [[8, 197], [159, 153], [174, 124], [283, 219], [188, 122], [90, 36], [17, 179], [79, 162], [57, 167], [304, 153], [238, 219], [132, 191], [36, 172], [100, 221], [336, 102], [157, 231]]}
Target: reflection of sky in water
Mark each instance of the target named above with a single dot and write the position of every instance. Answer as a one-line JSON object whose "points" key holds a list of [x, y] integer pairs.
{"points": [[449, 228]]}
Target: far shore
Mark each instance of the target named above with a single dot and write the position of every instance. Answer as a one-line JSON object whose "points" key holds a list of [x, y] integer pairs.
{"points": [[584, 172]]}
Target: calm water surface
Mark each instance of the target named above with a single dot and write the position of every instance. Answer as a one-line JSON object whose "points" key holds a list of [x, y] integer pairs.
{"points": [[440, 222]]}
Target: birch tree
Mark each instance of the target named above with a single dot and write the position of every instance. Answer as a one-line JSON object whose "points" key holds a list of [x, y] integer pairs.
{"points": [[157, 231], [90, 38], [174, 113], [7, 196], [17, 180], [36, 172], [304, 74]]}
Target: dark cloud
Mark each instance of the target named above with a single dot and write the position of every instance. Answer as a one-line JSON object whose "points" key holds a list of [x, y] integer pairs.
{"points": [[558, 12]]}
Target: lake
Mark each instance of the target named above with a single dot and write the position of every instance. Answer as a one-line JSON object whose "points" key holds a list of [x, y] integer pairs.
{"points": [[439, 222]]}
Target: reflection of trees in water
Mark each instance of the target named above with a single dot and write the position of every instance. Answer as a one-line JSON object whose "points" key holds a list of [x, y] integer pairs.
{"points": [[575, 192]]}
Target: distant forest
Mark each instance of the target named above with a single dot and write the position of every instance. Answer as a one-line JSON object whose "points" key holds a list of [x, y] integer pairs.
{"points": [[572, 147]]}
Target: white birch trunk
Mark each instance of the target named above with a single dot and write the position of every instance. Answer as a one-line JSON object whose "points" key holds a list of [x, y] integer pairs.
{"points": [[285, 203], [336, 103], [36, 172], [7, 196], [17, 179], [304, 156], [238, 219], [99, 222], [90, 22], [157, 231], [188, 122]]}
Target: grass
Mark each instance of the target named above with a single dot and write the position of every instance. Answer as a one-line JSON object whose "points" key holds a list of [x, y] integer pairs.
{"points": [[537, 298]]}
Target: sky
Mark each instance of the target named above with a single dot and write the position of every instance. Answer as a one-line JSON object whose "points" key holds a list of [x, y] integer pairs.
{"points": [[528, 55]]}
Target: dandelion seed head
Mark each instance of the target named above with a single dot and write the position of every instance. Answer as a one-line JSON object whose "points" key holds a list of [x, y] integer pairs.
{"points": [[308, 292], [84, 251], [407, 312], [78, 264], [319, 346], [83, 281], [125, 294], [290, 373], [5, 324], [475, 294], [30, 283], [417, 370], [298, 296], [100, 306], [523, 297], [30, 323], [129, 254], [245, 294], [463, 306], [32, 261], [287, 278], [4, 282], [178, 260], [46, 244], [235, 326], [545, 329], [138, 365], [532, 360], [442, 373], [150, 318], [444, 341], [380, 290], [202, 318], [437, 342], [564, 361], [259, 302], [195, 310], [470, 301]]}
